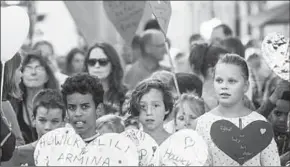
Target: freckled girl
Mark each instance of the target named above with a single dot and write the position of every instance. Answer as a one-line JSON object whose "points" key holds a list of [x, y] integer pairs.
{"points": [[186, 110], [231, 83], [152, 102]]}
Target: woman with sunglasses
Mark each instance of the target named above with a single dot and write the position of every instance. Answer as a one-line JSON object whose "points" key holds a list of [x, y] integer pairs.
{"points": [[103, 61]]}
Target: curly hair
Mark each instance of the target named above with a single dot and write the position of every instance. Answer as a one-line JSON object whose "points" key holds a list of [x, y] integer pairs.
{"points": [[144, 87], [83, 83], [48, 98], [116, 88]]}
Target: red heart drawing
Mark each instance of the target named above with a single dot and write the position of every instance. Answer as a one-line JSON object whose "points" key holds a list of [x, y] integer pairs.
{"points": [[241, 145]]}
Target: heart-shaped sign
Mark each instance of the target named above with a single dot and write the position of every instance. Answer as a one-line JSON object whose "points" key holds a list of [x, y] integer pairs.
{"points": [[125, 16], [14, 30], [162, 11], [276, 52], [63, 147], [183, 148], [241, 145], [146, 145]]}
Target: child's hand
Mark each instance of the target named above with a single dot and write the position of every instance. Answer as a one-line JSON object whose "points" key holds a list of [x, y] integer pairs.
{"points": [[280, 89]]}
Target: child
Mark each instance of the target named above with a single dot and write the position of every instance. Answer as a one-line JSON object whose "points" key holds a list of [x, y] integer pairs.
{"points": [[152, 102], [48, 114], [110, 124], [186, 110], [82, 94], [231, 83], [278, 118]]}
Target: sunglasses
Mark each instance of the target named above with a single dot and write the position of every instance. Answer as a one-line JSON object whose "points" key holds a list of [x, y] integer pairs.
{"points": [[102, 62]]}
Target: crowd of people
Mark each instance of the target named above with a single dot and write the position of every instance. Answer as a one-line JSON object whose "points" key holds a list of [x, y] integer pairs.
{"points": [[98, 90]]}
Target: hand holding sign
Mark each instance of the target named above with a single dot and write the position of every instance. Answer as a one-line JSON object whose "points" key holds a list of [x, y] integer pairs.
{"points": [[126, 16], [184, 148], [162, 11], [241, 145], [276, 52], [14, 30], [146, 145], [63, 147]]}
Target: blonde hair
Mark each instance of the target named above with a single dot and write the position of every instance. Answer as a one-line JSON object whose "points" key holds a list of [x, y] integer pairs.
{"points": [[113, 122], [195, 103]]}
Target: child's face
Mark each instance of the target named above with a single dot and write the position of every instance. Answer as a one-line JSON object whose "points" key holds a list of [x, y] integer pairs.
{"points": [[229, 84], [82, 113], [47, 120], [152, 110], [185, 117], [279, 116]]}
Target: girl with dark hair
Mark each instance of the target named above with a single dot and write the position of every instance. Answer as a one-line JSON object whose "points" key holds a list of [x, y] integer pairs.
{"points": [[37, 75], [103, 61], [75, 62]]}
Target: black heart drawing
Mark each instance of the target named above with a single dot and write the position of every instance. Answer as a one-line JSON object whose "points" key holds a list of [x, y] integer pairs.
{"points": [[241, 145]]}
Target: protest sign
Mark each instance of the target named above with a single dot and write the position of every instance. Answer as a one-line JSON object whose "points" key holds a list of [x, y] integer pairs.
{"points": [[63, 147], [162, 11], [125, 16], [183, 148], [276, 52], [14, 30], [146, 145], [241, 144]]}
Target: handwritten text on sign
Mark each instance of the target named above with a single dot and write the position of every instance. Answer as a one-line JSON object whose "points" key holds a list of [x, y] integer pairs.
{"points": [[125, 16], [191, 149], [146, 145], [69, 149]]}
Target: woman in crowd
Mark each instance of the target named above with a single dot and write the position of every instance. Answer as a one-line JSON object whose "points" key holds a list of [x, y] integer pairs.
{"points": [[37, 75], [102, 61], [75, 62], [231, 82], [11, 91], [10, 134]]}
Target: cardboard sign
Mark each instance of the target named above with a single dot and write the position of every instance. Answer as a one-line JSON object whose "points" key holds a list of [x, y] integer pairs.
{"points": [[276, 52], [162, 11], [14, 30], [63, 147], [183, 148], [146, 145], [241, 145], [126, 16]]}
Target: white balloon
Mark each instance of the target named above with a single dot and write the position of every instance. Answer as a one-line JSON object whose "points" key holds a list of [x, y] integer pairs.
{"points": [[14, 30]]}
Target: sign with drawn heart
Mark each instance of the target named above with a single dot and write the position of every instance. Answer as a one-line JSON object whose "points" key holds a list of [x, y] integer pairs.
{"points": [[183, 148], [146, 145], [162, 11], [241, 145], [125, 16], [63, 147], [276, 52]]}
